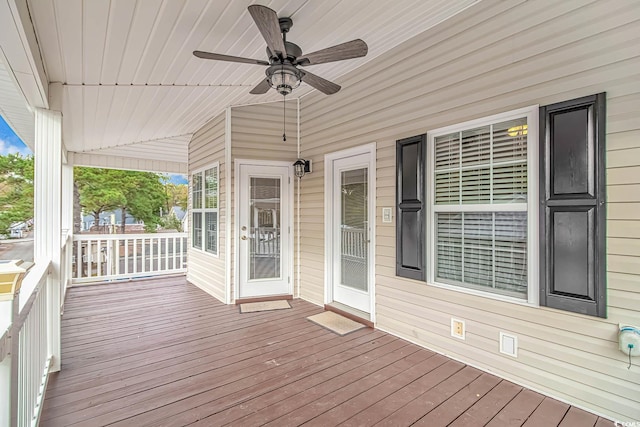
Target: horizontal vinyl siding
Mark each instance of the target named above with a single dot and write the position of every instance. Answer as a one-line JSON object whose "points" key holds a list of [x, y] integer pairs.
{"points": [[207, 147], [495, 57], [256, 134]]}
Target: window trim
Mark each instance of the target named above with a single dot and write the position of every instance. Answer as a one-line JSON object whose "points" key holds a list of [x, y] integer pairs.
{"points": [[204, 210], [532, 115]]}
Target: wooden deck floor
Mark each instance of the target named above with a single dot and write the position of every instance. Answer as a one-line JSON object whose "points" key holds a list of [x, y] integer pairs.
{"points": [[163, 353]]}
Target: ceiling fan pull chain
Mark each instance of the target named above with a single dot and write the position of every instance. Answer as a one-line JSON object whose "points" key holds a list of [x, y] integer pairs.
{"points": [[284, 118]]}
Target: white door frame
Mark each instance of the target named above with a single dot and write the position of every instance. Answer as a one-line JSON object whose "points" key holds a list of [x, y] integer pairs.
{"points": [[328, 221], [236, 218]]}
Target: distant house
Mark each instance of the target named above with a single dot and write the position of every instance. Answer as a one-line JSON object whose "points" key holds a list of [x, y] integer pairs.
{"points": [[181, 215], [18, 230], [109, 221]]}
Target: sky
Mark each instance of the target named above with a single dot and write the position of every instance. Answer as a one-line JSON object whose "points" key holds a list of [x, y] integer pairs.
{"points": [[10, 143]]}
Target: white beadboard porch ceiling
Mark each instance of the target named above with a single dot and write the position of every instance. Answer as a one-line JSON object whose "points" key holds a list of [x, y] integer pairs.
{"points": [[132, 87]]}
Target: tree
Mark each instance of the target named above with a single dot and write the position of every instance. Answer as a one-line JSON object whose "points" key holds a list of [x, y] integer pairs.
{"points": [[144, 197], [140, 194], [99, 190], [177, 195], [16, 190]]}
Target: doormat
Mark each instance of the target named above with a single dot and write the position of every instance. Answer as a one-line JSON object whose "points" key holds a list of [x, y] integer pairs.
{"points": [[252, 307], [336, 323]]}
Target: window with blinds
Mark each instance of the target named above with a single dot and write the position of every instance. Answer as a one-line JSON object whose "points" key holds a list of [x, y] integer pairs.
{"points": [[204, 210], [479, 211]]}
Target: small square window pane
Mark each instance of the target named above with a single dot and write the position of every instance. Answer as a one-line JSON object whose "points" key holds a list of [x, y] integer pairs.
{"points": [[196, 191], [449, 246], [447, 188], [447, 151], [510, 183], [476, 186], [510, 141], [476, 146], [196, 230], [211, 188], [211, 230]]}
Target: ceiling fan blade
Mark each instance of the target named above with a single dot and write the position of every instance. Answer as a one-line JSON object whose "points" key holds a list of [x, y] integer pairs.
{"points": [[267, 21], [262, 87], [323, 85], [229, 58], [353, 49]]}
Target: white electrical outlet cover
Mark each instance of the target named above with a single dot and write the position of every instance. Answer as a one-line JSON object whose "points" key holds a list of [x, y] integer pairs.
{"points": [[508, 344]]}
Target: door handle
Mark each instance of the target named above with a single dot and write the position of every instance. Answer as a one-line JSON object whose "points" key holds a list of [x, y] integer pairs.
{"points": [[244, 237]]}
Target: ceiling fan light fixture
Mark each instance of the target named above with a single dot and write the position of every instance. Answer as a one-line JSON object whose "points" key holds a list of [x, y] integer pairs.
{"points": [[284, 78]]}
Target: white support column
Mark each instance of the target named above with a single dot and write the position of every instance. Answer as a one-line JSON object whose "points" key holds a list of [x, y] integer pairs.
{"points": [[47, 215], [67, 228]]}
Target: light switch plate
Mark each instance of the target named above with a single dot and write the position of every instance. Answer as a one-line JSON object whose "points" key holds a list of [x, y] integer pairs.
{"points": [[387, 215]]}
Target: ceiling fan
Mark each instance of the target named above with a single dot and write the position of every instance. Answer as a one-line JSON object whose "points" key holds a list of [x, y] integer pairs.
{"points": [[285, 57]]}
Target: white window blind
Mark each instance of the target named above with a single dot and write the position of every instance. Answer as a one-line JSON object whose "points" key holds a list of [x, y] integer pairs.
{"points": [[480, 207]]}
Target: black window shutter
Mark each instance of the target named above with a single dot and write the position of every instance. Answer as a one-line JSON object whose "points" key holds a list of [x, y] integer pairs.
{"points": [[410, 197], [573, 211]]}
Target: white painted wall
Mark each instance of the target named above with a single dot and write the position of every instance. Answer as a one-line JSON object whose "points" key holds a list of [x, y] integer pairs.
{"points": [[495, 57], [204, 269]]}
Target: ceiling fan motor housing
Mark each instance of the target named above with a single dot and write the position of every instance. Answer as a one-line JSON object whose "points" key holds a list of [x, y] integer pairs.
{"points": [[293, 52]]}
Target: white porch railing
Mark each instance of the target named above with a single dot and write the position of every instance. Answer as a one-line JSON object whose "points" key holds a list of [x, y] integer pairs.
{"points": [[66, 265], [102, 257], [354, 243], [25, 356]]}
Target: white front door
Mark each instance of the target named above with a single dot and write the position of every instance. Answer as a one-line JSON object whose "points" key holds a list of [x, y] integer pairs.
{"points": [[264, 230], [351, 216]]}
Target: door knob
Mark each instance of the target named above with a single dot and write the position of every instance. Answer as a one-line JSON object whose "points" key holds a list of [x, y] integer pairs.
{"points": [[244, 237]]}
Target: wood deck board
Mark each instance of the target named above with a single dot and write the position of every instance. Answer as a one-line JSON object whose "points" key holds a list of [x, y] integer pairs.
{"points": [[173, 368], [267, 397], [486, 408], [161, 352], [549, 412]]}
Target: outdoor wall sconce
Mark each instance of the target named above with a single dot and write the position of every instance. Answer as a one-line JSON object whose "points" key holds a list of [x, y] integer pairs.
{"points": [[302, 167]]}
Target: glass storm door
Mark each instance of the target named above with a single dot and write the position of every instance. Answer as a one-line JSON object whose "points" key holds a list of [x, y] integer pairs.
{"points": [[264, 231], [350, 228]]}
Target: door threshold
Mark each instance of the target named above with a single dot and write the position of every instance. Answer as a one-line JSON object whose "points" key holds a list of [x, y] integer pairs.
{"points": [[263, 299], [350, 313]]}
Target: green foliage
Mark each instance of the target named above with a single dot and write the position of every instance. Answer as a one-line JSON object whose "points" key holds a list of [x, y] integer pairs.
{"points": [[16, 189], [98, 191], [177, 195], [140, 194], [170, 222]]}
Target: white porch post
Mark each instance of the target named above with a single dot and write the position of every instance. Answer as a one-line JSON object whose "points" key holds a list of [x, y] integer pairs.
{"points": [[47, 216], [67, 228]]}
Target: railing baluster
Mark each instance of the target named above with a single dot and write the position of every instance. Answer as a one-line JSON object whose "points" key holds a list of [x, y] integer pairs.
{"points": [[151, 255], [144, 254], [99, 258], [89, 258], [174, 260], [135, 255], [166, 253], [126, 256], [182, 239]]}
